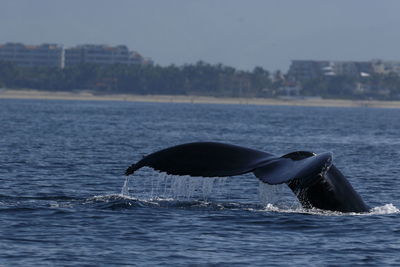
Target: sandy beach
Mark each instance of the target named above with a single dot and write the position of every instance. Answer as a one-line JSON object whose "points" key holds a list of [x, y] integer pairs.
{"points": [[89, 96]]}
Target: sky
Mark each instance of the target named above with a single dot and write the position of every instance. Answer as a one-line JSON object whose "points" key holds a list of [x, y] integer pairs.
{"points": [[238, 33]]}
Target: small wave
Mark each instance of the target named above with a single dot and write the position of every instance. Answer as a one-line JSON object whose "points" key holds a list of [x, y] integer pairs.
{"points": [[40, 197], [110, 197], [19, 209], [113, 201], [120, 201]]}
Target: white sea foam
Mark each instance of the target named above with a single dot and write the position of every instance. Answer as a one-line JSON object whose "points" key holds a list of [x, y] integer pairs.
{"points": [[385, 209], [381, 210]]}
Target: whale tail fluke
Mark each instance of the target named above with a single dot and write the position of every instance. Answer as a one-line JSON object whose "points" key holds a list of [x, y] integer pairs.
{"points": [[209, 159], [313, 178], [206, 159]]}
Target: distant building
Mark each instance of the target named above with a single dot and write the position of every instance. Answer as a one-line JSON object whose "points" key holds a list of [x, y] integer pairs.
{"points": [[301, 70], [52, 55], [385, 67], [45, 55], [102, 54], [352, 68]]}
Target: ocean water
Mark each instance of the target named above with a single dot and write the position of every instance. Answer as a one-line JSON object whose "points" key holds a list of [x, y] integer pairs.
{"points": [[65, 202]]}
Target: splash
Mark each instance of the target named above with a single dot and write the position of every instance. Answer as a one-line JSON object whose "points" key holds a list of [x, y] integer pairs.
{"points": [[186, 188], [125, 188], [163, 186], [277, 196], [385, 209]]}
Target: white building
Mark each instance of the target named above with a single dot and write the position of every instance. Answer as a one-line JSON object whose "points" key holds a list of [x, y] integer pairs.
{"points": [[301, 70], [45, 55], [101, 54]]}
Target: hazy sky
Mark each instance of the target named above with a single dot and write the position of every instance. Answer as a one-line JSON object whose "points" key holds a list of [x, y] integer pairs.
{"points": [[242, 34]]}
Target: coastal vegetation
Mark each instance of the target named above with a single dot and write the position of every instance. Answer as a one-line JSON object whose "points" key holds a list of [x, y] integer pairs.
{"points": [[195, 79]]}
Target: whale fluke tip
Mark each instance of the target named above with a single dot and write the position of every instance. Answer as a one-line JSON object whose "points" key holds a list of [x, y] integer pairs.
{"points": [[131, 169]]}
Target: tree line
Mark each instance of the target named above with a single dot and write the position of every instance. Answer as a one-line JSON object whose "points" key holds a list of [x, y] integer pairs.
{"points": [[194, 79]]}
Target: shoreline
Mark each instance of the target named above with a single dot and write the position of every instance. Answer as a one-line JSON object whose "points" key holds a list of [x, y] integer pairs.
{"points": [[88, 96]]}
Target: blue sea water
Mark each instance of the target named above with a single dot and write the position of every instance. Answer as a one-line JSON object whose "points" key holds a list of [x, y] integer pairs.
{"points": [[64, 200]]}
